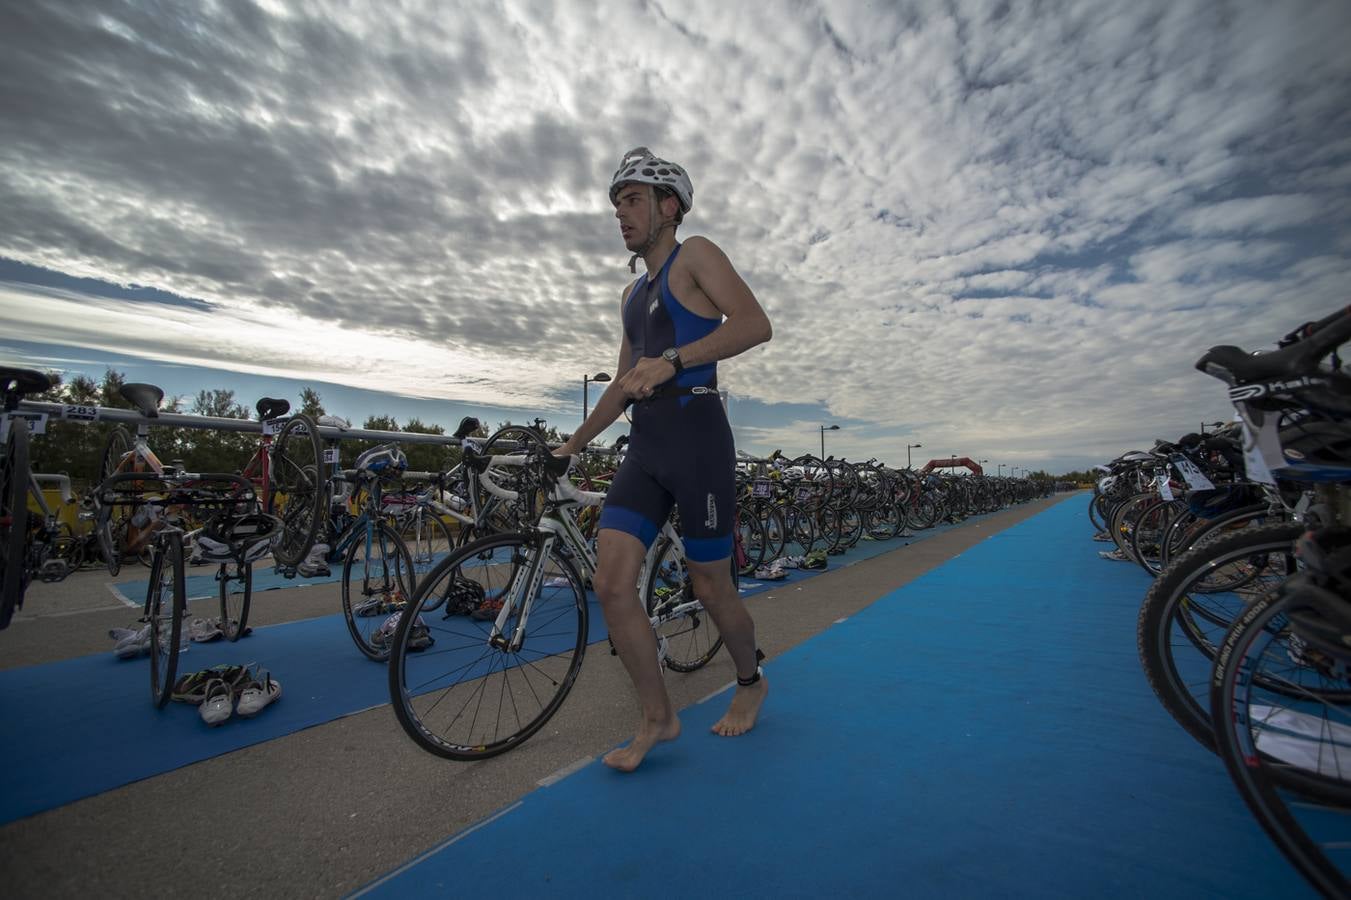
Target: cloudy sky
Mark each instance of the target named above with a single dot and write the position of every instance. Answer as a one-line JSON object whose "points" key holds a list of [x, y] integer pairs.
{"points": [[1003, 230]]}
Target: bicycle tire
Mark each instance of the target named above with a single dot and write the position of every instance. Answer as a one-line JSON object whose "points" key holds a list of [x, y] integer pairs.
{"points": [[1181, 680], [775, 530], [300, 475], [1264, 781], [234, 606], [801, 531], [13, 518], [751, 536], [690, 644], [164, 641], [382, 567], [1148, 534], [427, 537], [439, 692], [111, 519]]}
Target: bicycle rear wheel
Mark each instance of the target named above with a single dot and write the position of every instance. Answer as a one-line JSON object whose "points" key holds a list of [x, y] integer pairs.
{"points": [[165, 607], [477, 690], [1284, 734], [299, 488], [13, 518], [234, 605], [691, 636], [377, 582], [428, 539]]}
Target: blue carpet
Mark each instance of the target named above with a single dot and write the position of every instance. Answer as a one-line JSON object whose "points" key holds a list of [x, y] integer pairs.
{"points": [[984, 731], [79, 727]]}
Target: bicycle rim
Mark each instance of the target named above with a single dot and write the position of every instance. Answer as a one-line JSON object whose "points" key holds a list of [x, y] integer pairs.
{"points": [[167, 590], [1183, 620], [377, 582], [465, 697], [689, 632], [234, 604], [1288, 752]]}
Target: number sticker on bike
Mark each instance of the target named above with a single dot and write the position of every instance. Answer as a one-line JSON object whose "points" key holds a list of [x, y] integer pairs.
{"points": [[272, 426], [331, 455], [1261, 444], [762, 489], [1164, 487], [1195, 478], [804, 493], [78, 412], [37, 423]]}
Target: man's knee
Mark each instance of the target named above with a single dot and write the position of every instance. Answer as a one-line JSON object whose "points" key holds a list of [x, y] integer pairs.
{"points": [[712, 582]]}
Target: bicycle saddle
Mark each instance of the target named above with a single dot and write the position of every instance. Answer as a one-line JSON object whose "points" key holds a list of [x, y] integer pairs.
{"points": [[23, 381], [270, 408], [145, 397], [468, 425]]}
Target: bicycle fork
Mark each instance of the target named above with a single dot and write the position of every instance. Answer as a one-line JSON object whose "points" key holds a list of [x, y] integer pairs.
{"points": [[525, 584]]}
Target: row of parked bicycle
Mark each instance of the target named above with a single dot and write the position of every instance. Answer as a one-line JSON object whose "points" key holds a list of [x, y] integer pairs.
{"points": [[1245, 633], [386, 526]]}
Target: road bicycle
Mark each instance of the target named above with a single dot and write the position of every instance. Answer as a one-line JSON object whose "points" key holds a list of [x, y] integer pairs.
{"points": [[510, 618], [283, 472], [237, 531]]}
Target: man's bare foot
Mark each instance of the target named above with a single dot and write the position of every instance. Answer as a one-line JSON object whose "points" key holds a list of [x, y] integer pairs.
{"points": [[740, 716], [626, 759]]}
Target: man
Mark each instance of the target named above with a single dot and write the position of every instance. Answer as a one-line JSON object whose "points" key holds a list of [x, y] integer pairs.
{"points": [[690, 310]]}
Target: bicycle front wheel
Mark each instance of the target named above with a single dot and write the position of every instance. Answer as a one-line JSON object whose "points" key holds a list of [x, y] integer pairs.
{"points": [[13, 518], [1188, 609], [377, 583], [299, 488], [165, 605], [477, 667], [688, 631], [234, 604], [1284, 732]]}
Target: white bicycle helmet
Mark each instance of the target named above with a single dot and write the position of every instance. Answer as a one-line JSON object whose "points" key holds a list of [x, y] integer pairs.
{"points": [[241, 539], [641, 166], [386, 459]]}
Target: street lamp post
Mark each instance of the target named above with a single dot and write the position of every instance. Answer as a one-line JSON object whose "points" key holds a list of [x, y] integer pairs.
{"points": [[598, 378], [908, 448], [982, 462], [999, 472], [824, 429]]}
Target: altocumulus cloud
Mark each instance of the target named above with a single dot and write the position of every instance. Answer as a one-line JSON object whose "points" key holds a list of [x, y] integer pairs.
{"points": [[1008, 223]]}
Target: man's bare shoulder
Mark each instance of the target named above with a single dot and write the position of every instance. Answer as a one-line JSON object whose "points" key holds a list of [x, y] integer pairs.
{"points": [[696, 245]]}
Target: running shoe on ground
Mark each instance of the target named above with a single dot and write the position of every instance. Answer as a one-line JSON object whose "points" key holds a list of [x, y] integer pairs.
{"points": [[771, 571], [133, 645], [204, 630], [488, 609], [257, 693], [217, 702], [1116, 555]]}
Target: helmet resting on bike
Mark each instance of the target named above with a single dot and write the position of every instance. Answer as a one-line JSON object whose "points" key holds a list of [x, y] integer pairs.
{"points": [[386, 459]]}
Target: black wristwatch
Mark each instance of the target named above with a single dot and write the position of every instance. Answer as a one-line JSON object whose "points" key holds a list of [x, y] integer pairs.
{"points": [[672, 356]]}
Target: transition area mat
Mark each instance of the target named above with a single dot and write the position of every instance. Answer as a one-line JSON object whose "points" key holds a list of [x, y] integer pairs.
{"points": [[78, 727], [985, 731]]}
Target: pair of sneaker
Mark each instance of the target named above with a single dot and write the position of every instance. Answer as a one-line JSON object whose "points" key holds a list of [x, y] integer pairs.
{"points": [[771, 571], [1115, 555], [316, 564], [131, 642], [420, 638], [247, 696]]}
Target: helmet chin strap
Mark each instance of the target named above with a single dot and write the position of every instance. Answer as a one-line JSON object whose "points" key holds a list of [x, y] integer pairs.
{"points": [[654, 229]]}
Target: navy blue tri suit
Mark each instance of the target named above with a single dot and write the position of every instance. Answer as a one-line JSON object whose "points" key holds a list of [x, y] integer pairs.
{"points": [[680, 445]]}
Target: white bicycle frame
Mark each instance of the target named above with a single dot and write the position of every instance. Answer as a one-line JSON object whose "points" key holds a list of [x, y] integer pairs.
{"points": [[526, 581]]}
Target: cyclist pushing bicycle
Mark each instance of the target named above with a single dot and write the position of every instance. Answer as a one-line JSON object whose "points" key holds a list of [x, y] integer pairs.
{"points": [[688, 311]]}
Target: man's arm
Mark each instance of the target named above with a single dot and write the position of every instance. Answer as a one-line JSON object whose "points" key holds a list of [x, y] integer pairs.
{"points": [[611, 404], [745, 326]]}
